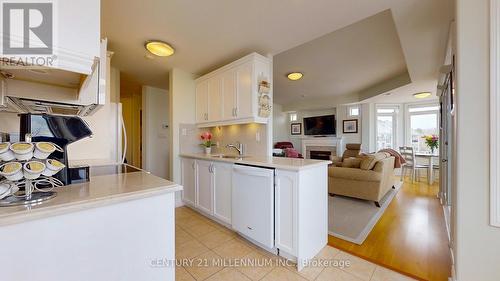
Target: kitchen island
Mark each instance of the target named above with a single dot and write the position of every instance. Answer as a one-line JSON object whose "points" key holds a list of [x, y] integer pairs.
{"points": [[114, 227], [279, 204]]}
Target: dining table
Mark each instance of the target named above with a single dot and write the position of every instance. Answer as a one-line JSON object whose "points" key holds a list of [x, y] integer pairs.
{"points": [[429, 157]]}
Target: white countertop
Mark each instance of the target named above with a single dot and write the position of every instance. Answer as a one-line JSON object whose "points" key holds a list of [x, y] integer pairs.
{"points": [[99, 191], [294, 164]]}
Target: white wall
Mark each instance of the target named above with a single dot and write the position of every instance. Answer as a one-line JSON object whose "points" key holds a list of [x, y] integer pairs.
{"points": [[281, 125], [368, 127], [182, 111], [155, 134], [477, 244], [341, 116]]}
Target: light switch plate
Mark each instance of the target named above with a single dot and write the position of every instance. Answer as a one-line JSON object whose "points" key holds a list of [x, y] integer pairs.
{"points": [[184, 132], [257, 136]]}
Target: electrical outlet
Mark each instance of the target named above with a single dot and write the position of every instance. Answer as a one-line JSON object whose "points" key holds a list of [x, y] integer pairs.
{"points": [[184, 132]]}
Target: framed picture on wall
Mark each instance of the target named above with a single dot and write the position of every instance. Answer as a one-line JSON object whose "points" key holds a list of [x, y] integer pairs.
{"points": [[296, 129], [350, 126]]}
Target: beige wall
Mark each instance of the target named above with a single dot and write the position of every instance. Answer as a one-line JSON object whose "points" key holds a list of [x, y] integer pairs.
{"points": [[131, 99], [245, 134], [477, 244], [155, 136], [182, 111], [105, 146]]}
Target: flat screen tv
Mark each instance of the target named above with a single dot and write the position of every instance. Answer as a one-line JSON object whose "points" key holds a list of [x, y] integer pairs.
{"points": [[319, 125]]}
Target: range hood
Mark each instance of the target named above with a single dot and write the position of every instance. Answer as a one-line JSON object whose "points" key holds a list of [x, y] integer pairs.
{"points": [[54, 91], [24, 105]]}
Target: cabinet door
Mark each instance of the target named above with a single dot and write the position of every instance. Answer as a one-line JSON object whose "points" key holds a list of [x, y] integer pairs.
{"points": [[188, 181], [205, 186], [222, 191], [285, 210], [202, 102], [244, 98], [229, 94], [215, 99]]}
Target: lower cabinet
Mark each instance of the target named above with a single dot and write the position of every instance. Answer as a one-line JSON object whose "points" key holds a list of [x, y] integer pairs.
{"points": [[208, 187], [205, 184], [222, 173], [286, 186], [188, 181]]}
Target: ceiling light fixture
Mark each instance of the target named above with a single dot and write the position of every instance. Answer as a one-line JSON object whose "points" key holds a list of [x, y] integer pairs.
{"points": [[294, 76], [422, 95], [159, 48]]}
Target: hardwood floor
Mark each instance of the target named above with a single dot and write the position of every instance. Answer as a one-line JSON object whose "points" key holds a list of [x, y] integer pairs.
{"points": [[410, 237]]}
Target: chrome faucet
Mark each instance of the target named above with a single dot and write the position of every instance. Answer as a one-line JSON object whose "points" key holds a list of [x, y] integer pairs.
{"points": [[239, 147]]}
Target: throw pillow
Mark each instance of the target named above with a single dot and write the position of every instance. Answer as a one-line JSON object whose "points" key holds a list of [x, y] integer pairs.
{"points": [[369, 161], [352, 162]]}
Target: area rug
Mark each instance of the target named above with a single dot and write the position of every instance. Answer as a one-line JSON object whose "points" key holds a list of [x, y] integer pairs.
{"points": [[352, 219]]}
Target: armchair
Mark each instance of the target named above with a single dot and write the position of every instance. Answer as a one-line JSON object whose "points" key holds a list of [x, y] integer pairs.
{"points": [[352, 150]]}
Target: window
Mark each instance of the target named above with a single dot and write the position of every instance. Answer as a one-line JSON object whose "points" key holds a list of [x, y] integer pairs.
{"points": [[353, 111], [293, 117], [386, 127], [423, 120]]}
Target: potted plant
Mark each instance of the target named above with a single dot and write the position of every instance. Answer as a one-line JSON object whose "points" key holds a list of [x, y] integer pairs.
{"points": [[432, 142], [207, 142]]}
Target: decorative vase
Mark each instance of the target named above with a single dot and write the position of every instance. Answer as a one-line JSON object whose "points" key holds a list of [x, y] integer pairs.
{"points": [[208, 150]]}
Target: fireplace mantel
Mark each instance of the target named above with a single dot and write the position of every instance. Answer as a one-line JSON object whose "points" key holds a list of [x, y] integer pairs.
{"points": [[338, 143]]}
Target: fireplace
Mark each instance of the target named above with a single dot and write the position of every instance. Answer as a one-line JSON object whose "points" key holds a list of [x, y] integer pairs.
{"points": [[322, 148], [320, 155]]}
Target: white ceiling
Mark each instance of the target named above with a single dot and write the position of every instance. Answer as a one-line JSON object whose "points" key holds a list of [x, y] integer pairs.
{"points": [[346, 61], [209, 34]]}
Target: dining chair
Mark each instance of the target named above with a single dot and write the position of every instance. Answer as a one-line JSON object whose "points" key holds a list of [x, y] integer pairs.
{"points": [[408, 154]]}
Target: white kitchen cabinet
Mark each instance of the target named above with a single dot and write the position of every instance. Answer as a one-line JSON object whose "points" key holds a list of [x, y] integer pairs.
{"points": [[75, 42], [295, 209], [188, 180], [215, 99], [205, 184], [245, 98], [229, 95], [223, 174], [285, 208], [202, 102]]}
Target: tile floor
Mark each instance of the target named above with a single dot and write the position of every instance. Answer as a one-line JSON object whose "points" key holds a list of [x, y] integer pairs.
{"points": [[212, 252]]}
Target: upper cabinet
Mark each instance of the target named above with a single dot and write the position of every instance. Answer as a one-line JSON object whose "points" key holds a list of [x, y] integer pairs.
{"points": [[233, 94]]}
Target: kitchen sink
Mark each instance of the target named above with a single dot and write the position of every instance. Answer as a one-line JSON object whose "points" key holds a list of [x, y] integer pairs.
{"points": [[229, 156]]}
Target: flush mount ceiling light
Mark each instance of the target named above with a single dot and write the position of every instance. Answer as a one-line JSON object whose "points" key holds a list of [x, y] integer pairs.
{"points": [[159, 48], [422, 95], [294, 76]]}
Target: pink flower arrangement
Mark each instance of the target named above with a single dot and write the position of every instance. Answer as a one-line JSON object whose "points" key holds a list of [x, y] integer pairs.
{"points": [[206, 138], [432, 141]]}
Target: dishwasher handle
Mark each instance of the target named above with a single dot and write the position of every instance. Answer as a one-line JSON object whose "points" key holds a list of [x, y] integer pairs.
{"points": [[253, 171]]}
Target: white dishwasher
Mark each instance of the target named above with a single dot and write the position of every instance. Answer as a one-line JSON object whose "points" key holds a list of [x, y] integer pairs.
{"points": [[253, 203]]}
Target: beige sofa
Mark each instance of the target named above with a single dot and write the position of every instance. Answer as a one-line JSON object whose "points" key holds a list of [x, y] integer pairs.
{"points": [[370, 180]]}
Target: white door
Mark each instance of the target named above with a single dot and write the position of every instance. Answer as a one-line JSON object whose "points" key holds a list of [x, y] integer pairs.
{"points": [[285, 205], [188, 181], [222, 191], [244, 90], [253, 203], [229, 94], [202, 102], [214, 99], [205, 186]]}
